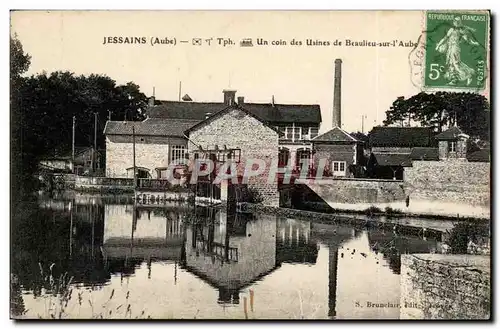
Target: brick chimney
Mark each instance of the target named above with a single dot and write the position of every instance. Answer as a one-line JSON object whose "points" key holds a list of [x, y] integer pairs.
{"points": [[337, 113], [241, 100], [229, 97]]}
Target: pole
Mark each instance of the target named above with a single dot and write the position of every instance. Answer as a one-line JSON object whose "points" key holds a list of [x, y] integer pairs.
{"points": [[73, 145], [180, 88], [133, 154], [363, 124], [95, 142]]}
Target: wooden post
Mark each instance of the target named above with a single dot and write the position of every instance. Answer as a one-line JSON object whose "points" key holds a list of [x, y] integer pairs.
{"points": [[95, 143], [133, 155], [73, 146]]}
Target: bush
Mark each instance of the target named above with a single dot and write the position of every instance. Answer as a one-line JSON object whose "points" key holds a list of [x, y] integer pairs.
{"points": [[464, 232], [390, 211], [372, 210]]}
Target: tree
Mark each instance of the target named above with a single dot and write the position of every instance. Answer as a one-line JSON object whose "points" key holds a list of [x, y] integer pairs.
{"points": [[19, 64], [469, 111], [51, 101], [362, 137], [19, 61]]}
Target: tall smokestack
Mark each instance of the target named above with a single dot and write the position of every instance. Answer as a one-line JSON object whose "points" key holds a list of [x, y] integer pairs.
{"points": [[337, 114]]}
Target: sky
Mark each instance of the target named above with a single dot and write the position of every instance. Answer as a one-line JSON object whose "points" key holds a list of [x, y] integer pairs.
{"points": [[372, 77]]}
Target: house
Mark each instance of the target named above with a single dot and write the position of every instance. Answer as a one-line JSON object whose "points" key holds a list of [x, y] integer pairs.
{"points": [[161, 137], [452, 144], [157, 143], [343, 153], [85, 158], [236, 133], [297, 123], [392, 149]]}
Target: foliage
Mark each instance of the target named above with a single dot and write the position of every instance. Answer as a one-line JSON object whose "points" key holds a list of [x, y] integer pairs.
{"points": [[19, 61], [372, 210], [390, 211], [466, 231], [362, 137], [43, 106], [470, 111], [57, 292]]}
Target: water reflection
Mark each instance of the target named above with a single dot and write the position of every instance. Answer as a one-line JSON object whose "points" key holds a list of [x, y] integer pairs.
{"points": [[206, 263]]}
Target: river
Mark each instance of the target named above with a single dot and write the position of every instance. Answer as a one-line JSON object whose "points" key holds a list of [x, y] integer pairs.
{"points": [[95, 257]]}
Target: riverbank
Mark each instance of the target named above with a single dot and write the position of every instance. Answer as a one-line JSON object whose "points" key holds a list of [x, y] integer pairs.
{"points": [[422, 209], [413, 226]]}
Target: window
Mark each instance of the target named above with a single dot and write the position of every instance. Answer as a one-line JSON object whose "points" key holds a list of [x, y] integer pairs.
{"points": [[452, 146], [283, 156], [177, 153], [288, 132], [339, 168], [305, 133], [313, 132], [297, 133]]}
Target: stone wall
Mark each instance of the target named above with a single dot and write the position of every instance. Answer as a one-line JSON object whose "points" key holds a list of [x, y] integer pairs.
{"points": [[449, 181], [459, 153], [347, 153], [436, 286], [237, 129], [357, 190], [150, 152]]}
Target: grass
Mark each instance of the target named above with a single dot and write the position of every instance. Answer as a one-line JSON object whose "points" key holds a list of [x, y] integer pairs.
{"points": [[58, 292]]}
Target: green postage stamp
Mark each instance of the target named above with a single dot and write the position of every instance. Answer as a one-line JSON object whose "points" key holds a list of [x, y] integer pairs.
{"points": [[456, 50]]}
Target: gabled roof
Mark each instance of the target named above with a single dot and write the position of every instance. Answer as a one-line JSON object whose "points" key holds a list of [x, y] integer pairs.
{"points": [[393, 159], [482, 155], [277, 113], [165, 127], [227, 110], [451, 134], [425, 153], [334, 135], [401, 137]]}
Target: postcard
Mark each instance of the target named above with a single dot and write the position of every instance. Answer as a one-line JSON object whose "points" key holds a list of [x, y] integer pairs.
{"points": [[250, 165]]}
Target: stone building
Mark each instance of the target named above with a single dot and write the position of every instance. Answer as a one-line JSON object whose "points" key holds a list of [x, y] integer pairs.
{"points": [[157, 143], [297, 123], [452, 144], [343, 153], [235, 128], [391, 149], [162, 137]]}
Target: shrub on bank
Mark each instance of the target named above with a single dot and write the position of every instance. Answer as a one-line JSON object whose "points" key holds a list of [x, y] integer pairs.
{"points": [[372, 210], [466, 234]]}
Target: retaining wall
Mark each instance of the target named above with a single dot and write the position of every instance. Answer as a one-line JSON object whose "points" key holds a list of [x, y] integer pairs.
{"points": [[355, 190], [452, 181], [443, 286]]}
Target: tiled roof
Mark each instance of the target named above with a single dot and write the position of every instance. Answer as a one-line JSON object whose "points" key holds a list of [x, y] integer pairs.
{"points": [[227, 109], [482, 155], [401, 137], [335, 135], [393, 159], [450, 134], [425, 153], [279, 113], [165, 127]]}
